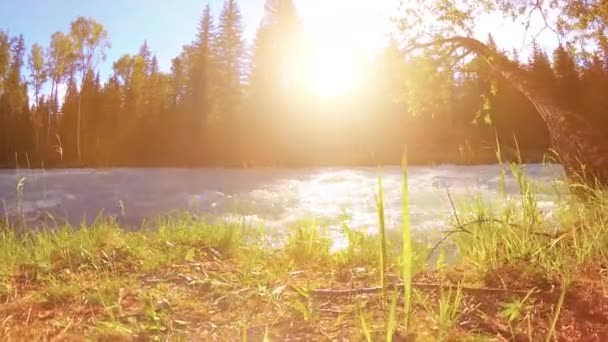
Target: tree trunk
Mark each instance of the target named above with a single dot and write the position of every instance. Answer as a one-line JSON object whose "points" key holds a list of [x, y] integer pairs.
{"points": [[50, 110], [78, 126], [581, 148]]}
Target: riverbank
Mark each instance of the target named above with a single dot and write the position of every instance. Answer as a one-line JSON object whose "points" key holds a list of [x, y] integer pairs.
{"points": [[518, 276], [417, 156]]}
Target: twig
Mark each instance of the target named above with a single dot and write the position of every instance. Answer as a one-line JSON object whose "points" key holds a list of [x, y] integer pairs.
{"points": [[452, 204], [523, 43], [461, 229], [460, 58], [29, 312], [443, 239], [539, 6]]}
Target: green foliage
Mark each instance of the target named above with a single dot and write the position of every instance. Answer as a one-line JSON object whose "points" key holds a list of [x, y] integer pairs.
{"points": [[570, 20], [445, 313], [38, 70], [89, 40], [308, 242]]}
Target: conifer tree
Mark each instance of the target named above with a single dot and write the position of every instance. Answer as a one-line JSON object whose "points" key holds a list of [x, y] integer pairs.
{"points": [[540, 65], [275, 87], [68, 121], [593, 85], [229, 50], [229, 53], [567, 77], [202, 75]]}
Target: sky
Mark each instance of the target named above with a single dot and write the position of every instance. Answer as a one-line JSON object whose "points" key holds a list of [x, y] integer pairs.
{"points": [[168, 25]]}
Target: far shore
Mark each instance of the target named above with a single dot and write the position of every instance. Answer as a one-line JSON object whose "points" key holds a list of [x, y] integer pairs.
{"points": [[419, 158]]}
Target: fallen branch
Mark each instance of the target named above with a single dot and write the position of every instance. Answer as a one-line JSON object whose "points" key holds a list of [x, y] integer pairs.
{"points": [[426, 286]]}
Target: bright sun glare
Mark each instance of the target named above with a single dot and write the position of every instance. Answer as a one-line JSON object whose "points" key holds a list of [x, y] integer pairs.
{"points": [[331, 72], [340, 31]]}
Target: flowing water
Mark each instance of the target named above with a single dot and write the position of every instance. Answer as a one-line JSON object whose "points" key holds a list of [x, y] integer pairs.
{"points": [[274, 197]]}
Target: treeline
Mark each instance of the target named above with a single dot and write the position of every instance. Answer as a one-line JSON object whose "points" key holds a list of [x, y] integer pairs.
{"points": [[230, 104]]}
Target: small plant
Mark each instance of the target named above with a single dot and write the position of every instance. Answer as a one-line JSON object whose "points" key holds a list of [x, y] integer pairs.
{"points": [[449, 308], [58, 292], [108, 293], [308, 242], [513, 311]]}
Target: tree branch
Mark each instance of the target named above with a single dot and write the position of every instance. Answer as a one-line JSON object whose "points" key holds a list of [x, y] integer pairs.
{"points": [[468, 43]]}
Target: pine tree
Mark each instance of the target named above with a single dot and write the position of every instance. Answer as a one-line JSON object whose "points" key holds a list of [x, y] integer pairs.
{"points": [[111, 148], [91, 104], [178, 82], [540, 66], [146, 54], [15, 104], [567, 76], [68, 121], [200, 67], [229, 52], [275, 87], [5, 56], [594, 82]]}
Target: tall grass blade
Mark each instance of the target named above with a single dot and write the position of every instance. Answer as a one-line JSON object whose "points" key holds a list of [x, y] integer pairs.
{"points": [[365, 328], [407, 252], [382, 228], [392, 319], [503, 173], [558, 309]]}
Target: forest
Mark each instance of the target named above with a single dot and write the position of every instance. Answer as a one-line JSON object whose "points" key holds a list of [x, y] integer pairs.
{"points": [[228, 102]]}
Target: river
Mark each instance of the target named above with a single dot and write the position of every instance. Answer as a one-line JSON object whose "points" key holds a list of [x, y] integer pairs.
{"points": [[273, 197]]}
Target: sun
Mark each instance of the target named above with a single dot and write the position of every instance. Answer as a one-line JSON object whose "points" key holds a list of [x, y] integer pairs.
{"points": [[331, 71], [340, 33]]}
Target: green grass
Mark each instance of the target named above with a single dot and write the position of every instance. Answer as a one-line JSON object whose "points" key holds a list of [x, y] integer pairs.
{"points": [[517, 274]]}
